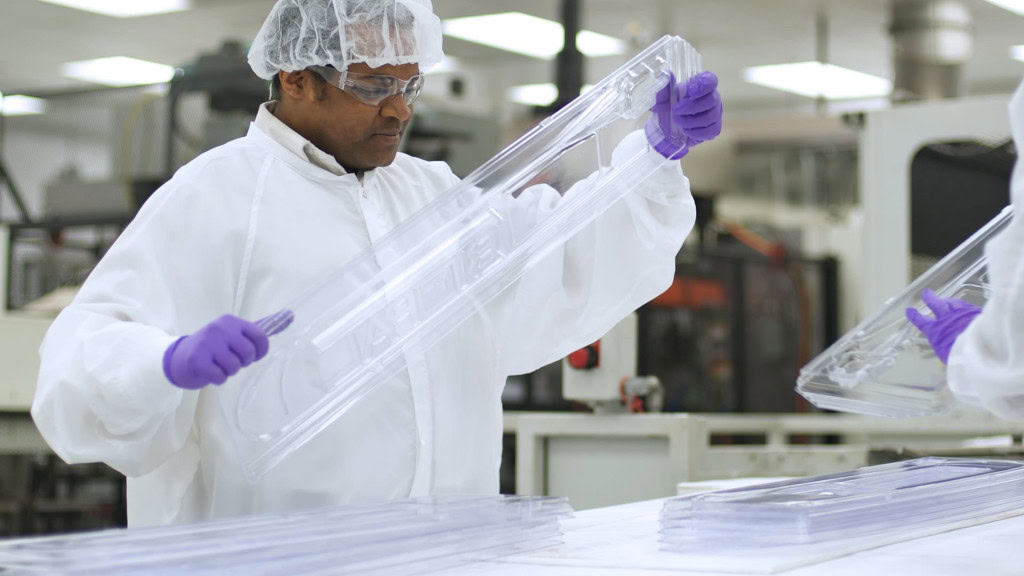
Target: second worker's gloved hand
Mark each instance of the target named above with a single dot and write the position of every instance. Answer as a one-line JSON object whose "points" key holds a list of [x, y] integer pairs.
{"points": [[220, 349], [952, 317], [684, 115]]}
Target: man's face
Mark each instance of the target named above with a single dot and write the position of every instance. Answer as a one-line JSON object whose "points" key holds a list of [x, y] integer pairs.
{"points": [[362, 136]]}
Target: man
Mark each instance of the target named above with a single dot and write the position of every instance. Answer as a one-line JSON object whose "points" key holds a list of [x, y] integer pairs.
{"points": [[245, 229], [984, 349]]}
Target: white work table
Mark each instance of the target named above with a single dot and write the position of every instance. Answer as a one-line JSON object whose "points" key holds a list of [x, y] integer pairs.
{"points": [[623, 540]]}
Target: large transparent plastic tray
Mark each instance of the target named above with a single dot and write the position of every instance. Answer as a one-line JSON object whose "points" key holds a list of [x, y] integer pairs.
{"points": [[440, 267], [926, 493], [885, 366], [410, 536]]}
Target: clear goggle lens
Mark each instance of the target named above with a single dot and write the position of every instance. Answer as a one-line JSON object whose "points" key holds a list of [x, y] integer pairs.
{"points": [[373, 89]]}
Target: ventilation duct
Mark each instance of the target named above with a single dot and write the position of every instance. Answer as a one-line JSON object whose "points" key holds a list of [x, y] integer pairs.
{"points": [[932, 39]]}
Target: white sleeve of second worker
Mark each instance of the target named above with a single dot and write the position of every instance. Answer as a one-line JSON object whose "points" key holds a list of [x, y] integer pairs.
{"points": [[620, 261], [102, 395], [986, 365]]}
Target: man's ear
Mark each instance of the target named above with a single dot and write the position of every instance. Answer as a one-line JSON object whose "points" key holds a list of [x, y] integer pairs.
{"points": [[297, 85]]}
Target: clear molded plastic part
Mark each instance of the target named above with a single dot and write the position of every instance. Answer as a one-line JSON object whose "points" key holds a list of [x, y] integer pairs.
{"points": [[885, 366], [911, 496], [445, 263], [403, 537]]}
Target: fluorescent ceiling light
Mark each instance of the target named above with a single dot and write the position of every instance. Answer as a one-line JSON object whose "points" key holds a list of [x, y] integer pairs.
{"points": [[858, 105], [538, 94], [1015, 6], [528, 35], [119, 71], [817, 80], [593, 44], [21, 105], [124, 8], [534, 94], [1017, 52], [447, 65]]}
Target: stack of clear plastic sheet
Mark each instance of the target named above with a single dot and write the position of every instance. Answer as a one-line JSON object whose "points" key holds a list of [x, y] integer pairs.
{"points": [[885, 366], [402, 537], [926, 495], [444, 264]]}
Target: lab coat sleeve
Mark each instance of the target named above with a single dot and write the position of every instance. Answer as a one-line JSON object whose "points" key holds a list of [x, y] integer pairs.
{"points": [[620, 261], [102, 395], [986, 364]]}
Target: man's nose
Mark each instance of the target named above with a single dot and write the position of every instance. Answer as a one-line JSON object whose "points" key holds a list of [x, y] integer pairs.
{"points": [[395, 107]]}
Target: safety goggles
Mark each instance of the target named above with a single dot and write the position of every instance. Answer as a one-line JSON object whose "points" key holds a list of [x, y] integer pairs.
{"points": [[372, 89]]}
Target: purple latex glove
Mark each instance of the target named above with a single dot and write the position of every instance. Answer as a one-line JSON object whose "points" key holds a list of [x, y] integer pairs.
{"points": [[220, 349], [952, 317], [684, 115]]}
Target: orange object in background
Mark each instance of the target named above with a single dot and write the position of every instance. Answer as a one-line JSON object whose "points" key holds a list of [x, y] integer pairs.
{"points": [[687, 292], [587, 357]]}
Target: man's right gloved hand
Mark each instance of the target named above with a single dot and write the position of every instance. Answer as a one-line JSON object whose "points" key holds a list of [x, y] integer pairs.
{"points": [[220, 349], [694, 117], [952, 317]]}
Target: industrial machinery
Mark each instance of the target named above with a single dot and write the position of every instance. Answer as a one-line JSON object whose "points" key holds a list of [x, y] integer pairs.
{"points": [[232, 92], [208, 104], [729, 335], [897, 148], [603, 374]]}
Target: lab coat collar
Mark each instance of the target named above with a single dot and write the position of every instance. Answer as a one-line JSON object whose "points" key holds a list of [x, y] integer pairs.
{"points": [[294, 142]]}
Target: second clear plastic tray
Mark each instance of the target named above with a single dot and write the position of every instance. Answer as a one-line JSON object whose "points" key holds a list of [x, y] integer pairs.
{"points": [[445, 264], [885, 366], [926, 493]]}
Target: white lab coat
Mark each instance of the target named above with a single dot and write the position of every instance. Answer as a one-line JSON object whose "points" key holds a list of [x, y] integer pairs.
{"points": [[249, 227], [986, 364]]}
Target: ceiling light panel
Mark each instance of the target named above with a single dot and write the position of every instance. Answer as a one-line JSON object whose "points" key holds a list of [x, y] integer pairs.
{"points": [[17, 105], [528, 35], [119, 71], [818, 80], [124, 8], [1015, 6]]}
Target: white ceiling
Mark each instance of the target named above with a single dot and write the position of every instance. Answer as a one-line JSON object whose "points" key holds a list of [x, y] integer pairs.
{"points": [[36, 37]]}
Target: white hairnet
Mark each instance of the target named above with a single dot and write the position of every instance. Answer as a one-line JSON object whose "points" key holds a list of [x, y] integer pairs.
{"points": [[302, 33]]}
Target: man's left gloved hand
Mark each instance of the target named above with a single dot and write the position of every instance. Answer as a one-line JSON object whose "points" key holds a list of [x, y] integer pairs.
{"points": [[693, 116]]}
